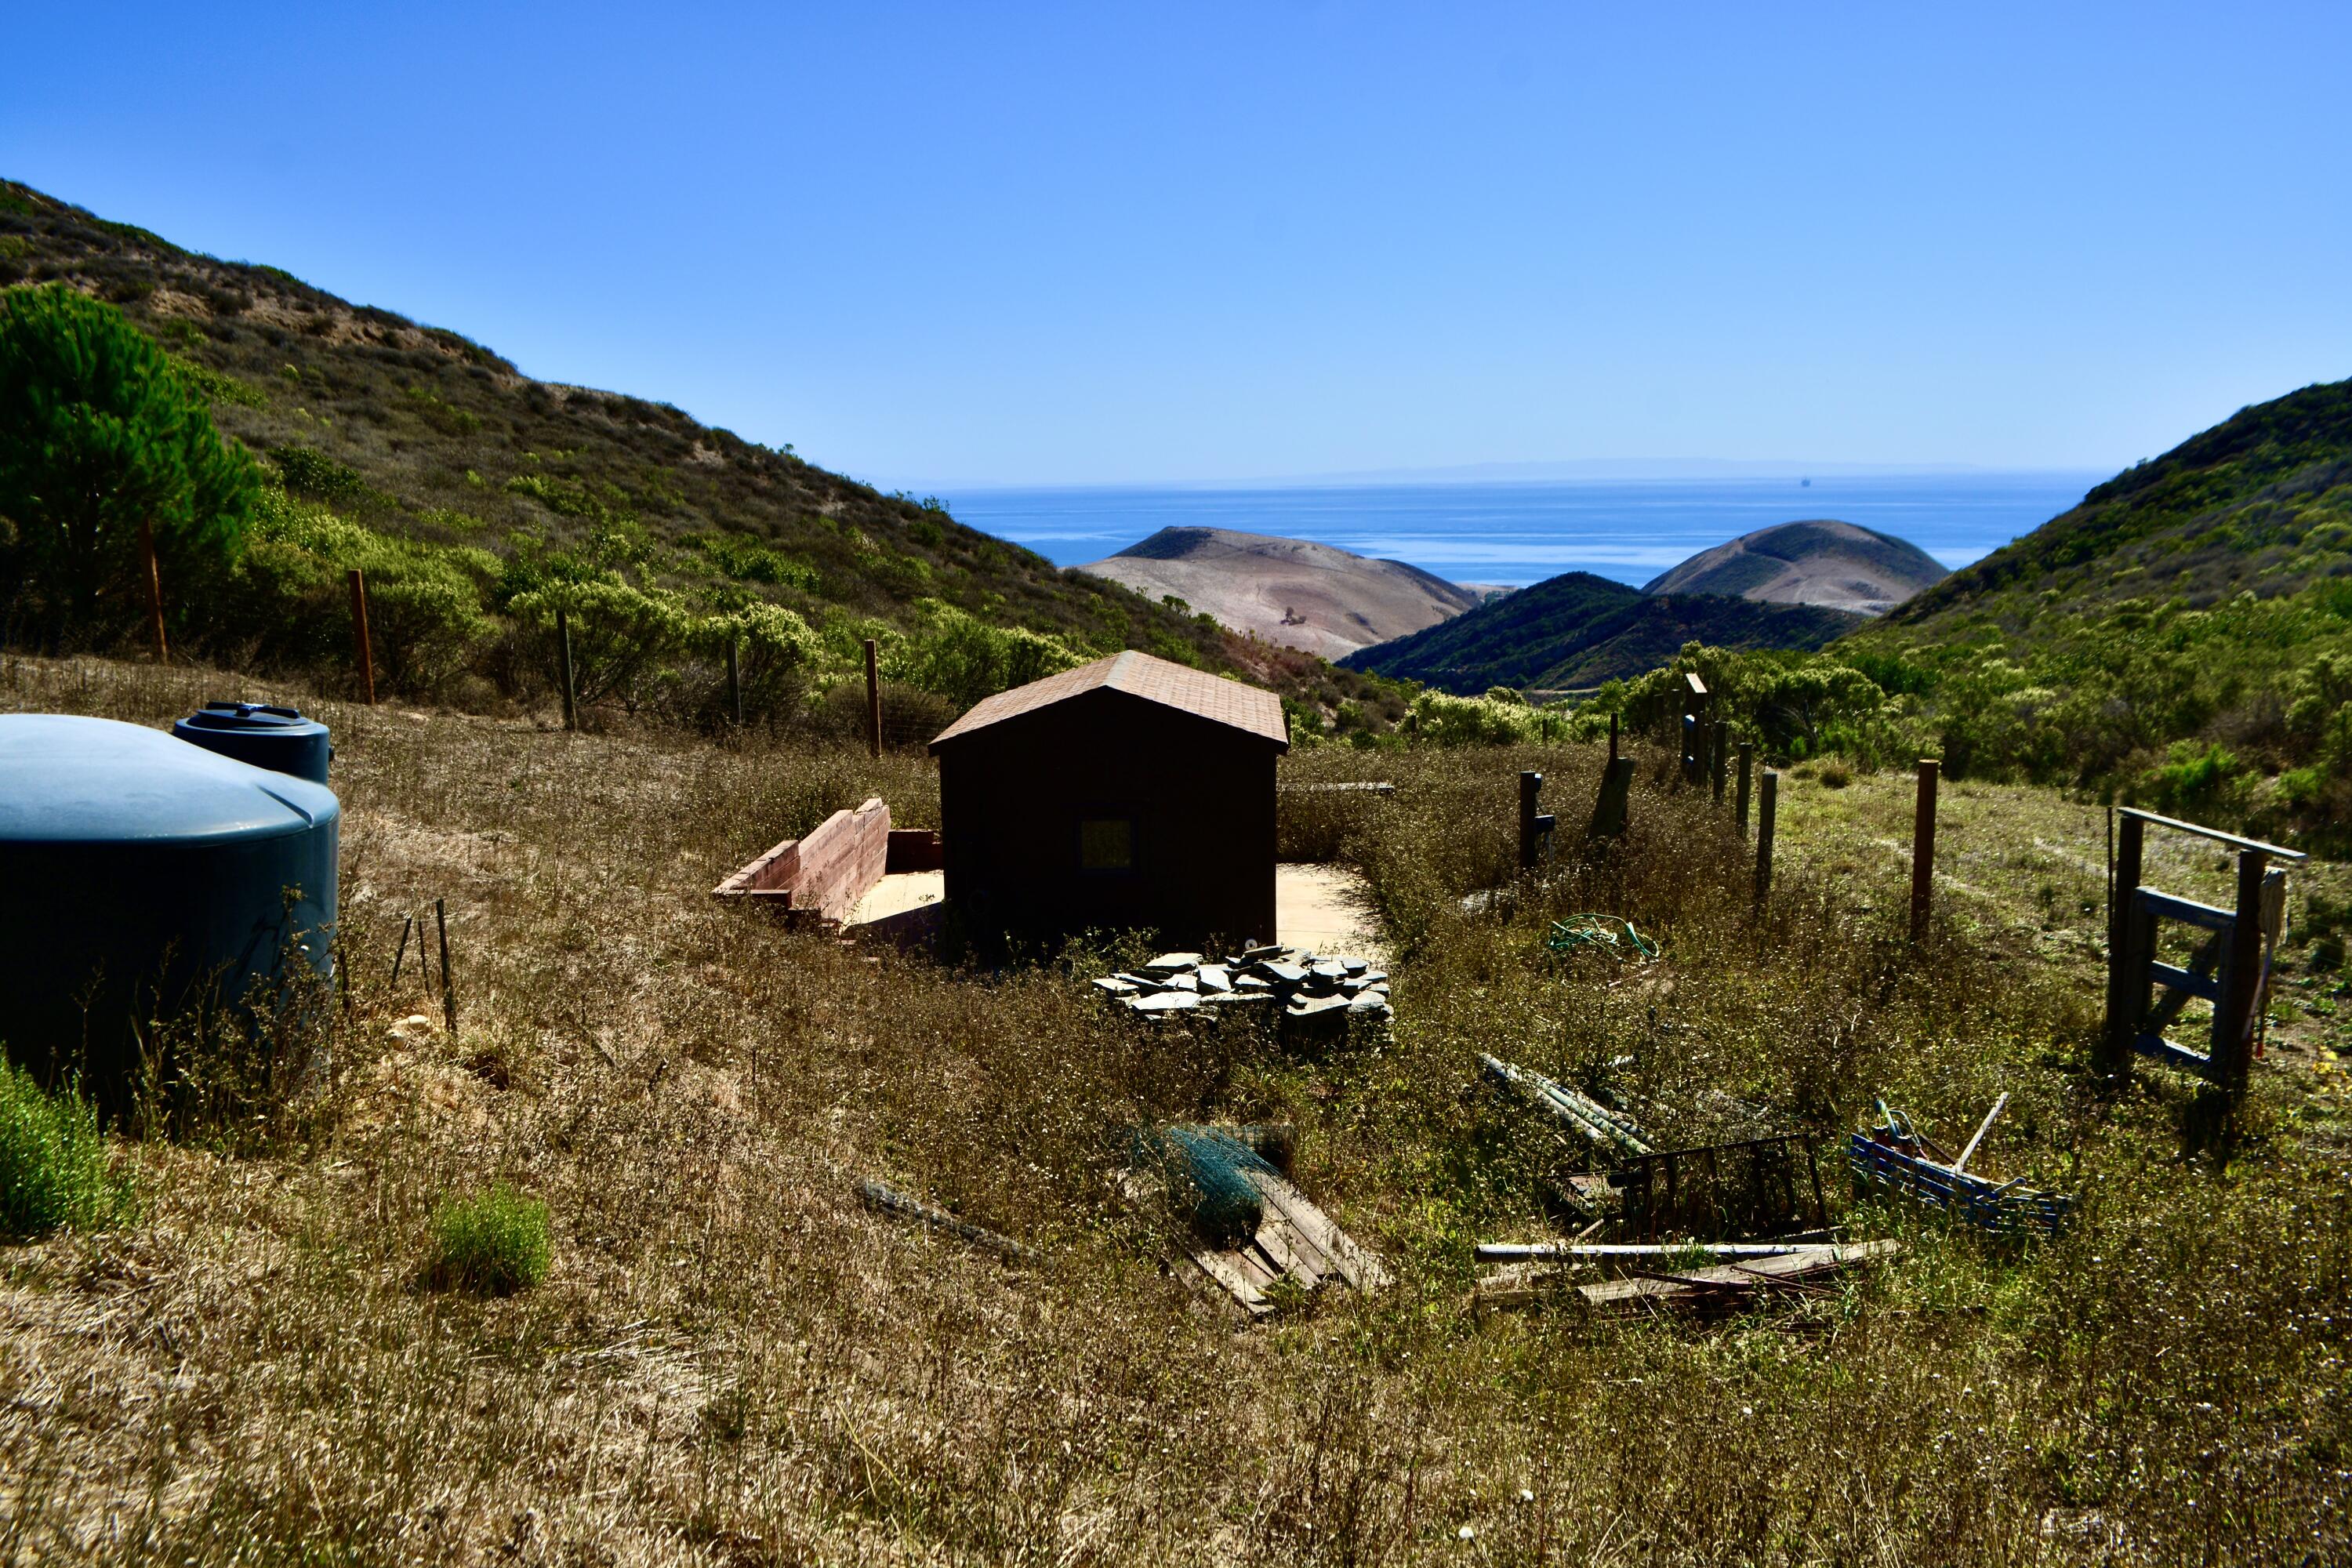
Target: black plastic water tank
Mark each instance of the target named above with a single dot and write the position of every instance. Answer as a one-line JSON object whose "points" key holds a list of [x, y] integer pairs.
{"points": [[279, 739], [140, 875]]}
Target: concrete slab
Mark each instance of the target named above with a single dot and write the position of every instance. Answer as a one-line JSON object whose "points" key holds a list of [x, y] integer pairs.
{"points": [[1326, 909], [897, 893]]}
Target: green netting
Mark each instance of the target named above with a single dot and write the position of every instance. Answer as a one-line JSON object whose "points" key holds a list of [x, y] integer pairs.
{"points": [[1208, 1171]]}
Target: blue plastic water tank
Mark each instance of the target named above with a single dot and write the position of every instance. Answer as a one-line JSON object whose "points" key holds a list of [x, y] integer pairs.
{"points": [[140, 875], [279, 739]]}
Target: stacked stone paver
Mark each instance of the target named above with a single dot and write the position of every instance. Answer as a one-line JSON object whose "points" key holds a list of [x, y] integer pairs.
{"points": [[1298, 986]]}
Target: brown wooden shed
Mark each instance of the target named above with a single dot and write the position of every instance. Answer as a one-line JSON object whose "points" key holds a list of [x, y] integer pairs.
{"points": [[1129, 792]]}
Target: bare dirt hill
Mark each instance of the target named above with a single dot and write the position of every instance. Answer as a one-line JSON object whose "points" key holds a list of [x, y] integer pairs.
{"points": [[1837, 565], [1314, 597]]}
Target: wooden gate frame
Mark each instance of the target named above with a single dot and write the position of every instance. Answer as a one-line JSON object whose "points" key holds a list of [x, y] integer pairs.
{"points": [[2229, 973]]}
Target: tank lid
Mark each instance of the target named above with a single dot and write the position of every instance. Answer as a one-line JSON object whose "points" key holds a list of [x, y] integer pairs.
{"points": [[250, 716], [69, 780]]}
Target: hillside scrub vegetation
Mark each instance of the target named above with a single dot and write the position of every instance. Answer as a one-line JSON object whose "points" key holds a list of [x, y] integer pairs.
{"points": [[311, 437], [728, 1358]]}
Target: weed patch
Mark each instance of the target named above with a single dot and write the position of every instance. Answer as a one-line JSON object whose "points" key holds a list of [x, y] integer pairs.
{"points": [[492, 1243], [54, 1170]]}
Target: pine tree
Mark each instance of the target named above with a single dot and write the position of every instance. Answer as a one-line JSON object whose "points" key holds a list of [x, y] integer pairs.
{"points": [[98, 432]]}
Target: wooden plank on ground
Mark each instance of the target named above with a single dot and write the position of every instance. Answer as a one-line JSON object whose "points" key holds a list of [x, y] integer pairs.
{"points": [[1355, 1265], [1527, 1284]]}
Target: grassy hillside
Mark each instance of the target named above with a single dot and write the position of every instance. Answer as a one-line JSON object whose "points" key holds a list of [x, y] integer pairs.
{"points": [[2184, 636], [729, 1361], [1578, 630], [2182, 639], [2258, 504], [417, 435]]}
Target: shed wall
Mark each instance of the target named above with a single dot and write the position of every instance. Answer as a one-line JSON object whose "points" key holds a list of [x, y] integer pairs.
{"points": [[1200, 797]]}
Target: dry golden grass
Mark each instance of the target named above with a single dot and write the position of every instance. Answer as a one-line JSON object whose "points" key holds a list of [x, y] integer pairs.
{"points": [[731, 1362]]}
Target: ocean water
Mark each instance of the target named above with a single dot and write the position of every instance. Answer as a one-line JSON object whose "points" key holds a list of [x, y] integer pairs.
{"points": [[1521, 531]]}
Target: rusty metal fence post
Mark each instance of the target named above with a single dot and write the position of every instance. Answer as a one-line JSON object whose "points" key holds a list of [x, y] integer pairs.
{"points": [[362, 645], [152, 579]]}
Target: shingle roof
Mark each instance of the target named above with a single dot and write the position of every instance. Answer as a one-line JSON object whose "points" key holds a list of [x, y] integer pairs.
{"points": [[1211, 697]]}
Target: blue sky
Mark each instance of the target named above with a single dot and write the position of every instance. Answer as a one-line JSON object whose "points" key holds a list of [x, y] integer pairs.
{"points": [[961, 244]]}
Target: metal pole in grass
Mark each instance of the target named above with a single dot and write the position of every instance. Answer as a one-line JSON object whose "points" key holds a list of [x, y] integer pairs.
{"points": [[1613, 737], [564, 666], [1923, 849], [363, 647], [1768, 808], [873, 698], [448, 992], [400, 953]]}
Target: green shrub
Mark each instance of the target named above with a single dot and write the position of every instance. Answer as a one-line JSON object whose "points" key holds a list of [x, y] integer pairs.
{"points": [[1489, 721], [313, 473], [493, 1243], [557, 496], [214, 387], [53, 1165], [425, 615], [751, 562], [2200, 783], [963, 659], [620, 635]]}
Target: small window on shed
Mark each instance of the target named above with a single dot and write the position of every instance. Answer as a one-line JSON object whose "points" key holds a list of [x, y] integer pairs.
{"points": [[1107, 843]]}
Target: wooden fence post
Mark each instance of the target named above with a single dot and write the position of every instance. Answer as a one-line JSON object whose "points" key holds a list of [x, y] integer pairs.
{"points": [[1530, 784], [1768, 808], [1613, 737], [1717, 757], [1694, 727], [1746, 768], [2241, 989], [153, 579], [1611, 811], [563, 667], [1923, 849], [873, 698], [362, 647], [2127, 974]]}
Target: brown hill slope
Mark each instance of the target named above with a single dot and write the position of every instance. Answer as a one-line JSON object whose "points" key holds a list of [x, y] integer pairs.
{"points": [[418, 433], [1311, 596], [1837, 565]]}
